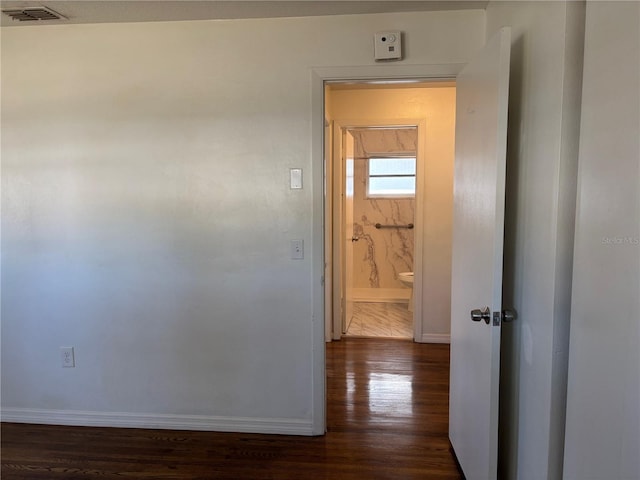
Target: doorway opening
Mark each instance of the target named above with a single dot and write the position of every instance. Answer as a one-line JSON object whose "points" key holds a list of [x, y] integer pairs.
{"points": [[377, 217], [389, 149], [479, 121]]}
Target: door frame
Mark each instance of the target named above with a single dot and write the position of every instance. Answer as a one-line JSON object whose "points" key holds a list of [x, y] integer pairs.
{"points": [[319, 76], [334, 216]]}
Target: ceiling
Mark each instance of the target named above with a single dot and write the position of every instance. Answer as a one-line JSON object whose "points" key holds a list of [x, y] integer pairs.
{"points": [[103, 11]]}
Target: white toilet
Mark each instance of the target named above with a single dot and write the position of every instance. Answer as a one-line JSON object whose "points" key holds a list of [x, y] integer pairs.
{"points": [[407, 279]]}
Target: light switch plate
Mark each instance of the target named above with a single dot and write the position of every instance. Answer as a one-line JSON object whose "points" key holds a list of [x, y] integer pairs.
{"points": [[296, 178]]}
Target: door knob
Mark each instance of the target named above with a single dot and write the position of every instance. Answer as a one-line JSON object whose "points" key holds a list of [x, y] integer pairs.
{"points": [[484, 314], [355, 239]]}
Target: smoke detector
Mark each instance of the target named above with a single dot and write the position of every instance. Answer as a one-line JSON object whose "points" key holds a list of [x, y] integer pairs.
{"points": [[33, 14]]}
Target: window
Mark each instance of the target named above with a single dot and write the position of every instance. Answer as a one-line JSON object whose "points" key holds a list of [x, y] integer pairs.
{"points": [[391, 177]]}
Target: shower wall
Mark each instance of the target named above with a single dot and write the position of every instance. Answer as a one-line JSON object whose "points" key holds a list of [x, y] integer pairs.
{"points": [[380, 254]]}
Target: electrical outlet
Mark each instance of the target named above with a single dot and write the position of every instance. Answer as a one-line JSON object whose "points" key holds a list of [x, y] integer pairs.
{"points": [[297, 249], [67, 357]]}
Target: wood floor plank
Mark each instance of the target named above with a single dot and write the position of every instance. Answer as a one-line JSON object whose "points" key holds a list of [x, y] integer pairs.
{"points": [[387, 416]]}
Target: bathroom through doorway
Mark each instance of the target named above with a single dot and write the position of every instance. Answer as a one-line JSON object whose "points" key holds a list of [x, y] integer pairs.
{"points": [[389, 168], [378, 202]]}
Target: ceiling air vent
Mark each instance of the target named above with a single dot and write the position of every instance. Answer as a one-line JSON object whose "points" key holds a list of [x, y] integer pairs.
{"points": [[33, 14]]}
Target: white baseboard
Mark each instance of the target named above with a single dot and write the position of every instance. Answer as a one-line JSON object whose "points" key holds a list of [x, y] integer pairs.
{"points": [[383, 295], [284, 426], [435, 338]]}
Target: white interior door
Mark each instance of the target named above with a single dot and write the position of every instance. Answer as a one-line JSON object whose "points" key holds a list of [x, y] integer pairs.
{"points": [[478, 225], [348, 159]]}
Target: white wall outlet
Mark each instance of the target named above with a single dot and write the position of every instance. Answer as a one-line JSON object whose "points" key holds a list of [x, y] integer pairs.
{"points": [[297, 249], [387, 45], [67, 357]]}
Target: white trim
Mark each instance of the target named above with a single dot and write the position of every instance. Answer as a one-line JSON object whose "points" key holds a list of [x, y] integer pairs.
{"points": [[284, 426], [318, 386], [318, 76], [328, 232], [435, 338], [418, 235], [389, 72]]}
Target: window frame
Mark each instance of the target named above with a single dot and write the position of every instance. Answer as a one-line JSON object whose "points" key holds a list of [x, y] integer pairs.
{"points": [[390, 156]]}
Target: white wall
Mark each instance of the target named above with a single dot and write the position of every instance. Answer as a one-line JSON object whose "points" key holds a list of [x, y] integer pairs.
{"points": [[603, 411], [146, 214], [436, 107], [541, 171]]}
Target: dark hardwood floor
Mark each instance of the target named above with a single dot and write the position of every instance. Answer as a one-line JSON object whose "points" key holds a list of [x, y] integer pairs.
{"points": [[387, 408]]}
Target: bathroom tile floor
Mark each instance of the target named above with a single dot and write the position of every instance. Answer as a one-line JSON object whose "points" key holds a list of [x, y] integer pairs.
{"points": [[372, 319]]}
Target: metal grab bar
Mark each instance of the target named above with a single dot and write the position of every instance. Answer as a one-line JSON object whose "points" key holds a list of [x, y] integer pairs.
{"points": [[379, 226]]}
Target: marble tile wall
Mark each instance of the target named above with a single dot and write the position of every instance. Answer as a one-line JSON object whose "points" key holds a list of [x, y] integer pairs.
{"points": [[381, 254]]}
